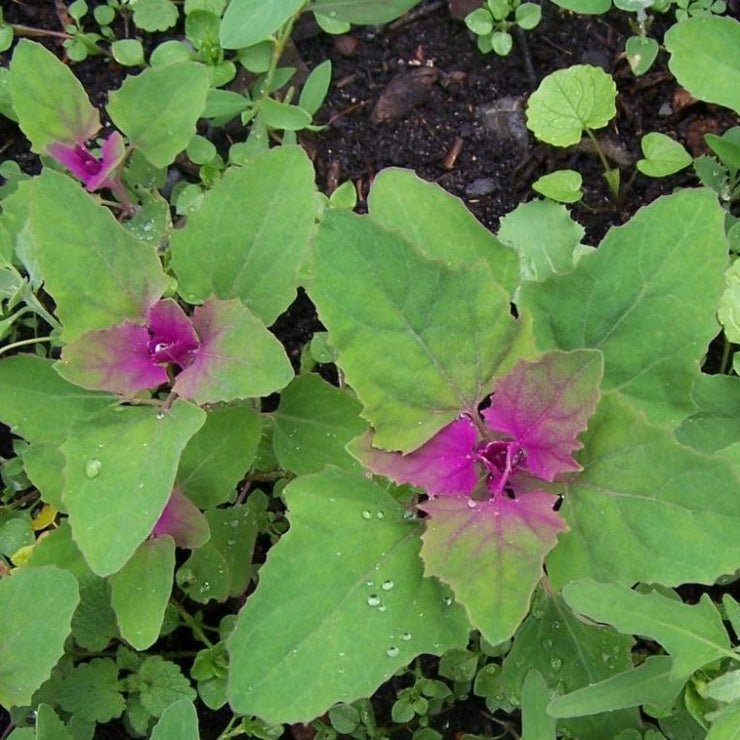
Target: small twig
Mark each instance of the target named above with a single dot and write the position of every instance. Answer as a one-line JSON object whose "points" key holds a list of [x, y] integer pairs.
{"points": [[23, 343]]}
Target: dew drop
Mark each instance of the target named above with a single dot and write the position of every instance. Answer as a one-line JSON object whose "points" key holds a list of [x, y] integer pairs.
{"points": [[406, 636], [342, 653], [230, 542], [472, 503], [547, 644], [92, 467], [366, 514], [447, 600], [556, 663], [387, 585], [382, 608], [380, 514], [392, 651], [368, 583], [204, 587], [373, 600]]}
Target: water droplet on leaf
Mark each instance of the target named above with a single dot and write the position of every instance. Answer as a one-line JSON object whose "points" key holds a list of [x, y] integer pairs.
{"points": [[366, 514], [392, 651], [380, 514], [387, 585], [92, 468], [406, 636], [556, 663], [373, 600]]}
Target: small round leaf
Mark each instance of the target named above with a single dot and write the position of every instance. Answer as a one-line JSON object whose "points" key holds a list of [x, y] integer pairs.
{"points": [[563, 186], [663, 155]]}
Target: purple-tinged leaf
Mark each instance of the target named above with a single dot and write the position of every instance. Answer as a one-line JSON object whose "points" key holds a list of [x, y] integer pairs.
{"points": [[443, 465], [93, 172], [544, 406], [238, 357], [173, 338], [183, 521], [491, 553], [115, 360]]}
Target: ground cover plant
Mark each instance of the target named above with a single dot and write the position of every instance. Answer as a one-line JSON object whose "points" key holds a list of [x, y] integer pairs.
{"points": [[491, 491]]}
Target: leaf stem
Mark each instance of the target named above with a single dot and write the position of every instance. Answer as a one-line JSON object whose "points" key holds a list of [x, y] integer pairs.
{"points": [[192, 623], [24, 343], [277, 53], [725, 362], [604, 162]]}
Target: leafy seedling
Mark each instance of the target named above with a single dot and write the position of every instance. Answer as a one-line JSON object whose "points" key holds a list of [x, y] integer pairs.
{"points": [[492, 23]]}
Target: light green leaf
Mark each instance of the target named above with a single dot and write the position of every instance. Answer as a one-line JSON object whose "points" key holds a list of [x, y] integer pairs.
{"points": [[568, 102], [561, 185], [290, 660], [544, 236], [223, 566], [97, 272], [128, 52], [120, 471], [91, 691], [161, 684], [693, 634], [663, 155], [725, 688], [479, 21], [585, 7], [716, 423], [645, 508], [37, 606], [528, 16], [247, 22], [726, 147], [437, 223], [94, 622], [362, 12], [39, 405], [157, 109], [388, 309], [178, 722], [726, 725], [569, 654], [50, 102], [641, 52], [154, 15], [49, 726], [276, 114], [258, 219], [141, 590], [315, 88], [649, 683], [536, 724], [729, 304], [313, 424], [705, 58], [218, 455], [43, 464], [646, 297]]}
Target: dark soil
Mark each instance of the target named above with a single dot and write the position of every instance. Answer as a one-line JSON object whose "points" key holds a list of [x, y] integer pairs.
{"points": [[413, 94]]}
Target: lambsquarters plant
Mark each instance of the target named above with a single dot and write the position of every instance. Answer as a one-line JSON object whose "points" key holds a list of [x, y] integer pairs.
{"points": [[521, 435]]}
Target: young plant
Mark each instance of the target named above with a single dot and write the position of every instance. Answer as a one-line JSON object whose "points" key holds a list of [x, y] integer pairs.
{"points": [[492, 23]]}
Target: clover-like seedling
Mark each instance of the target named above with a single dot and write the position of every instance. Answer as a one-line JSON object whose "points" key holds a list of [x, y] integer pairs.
{"points": [[571, 102], [492, 22]]}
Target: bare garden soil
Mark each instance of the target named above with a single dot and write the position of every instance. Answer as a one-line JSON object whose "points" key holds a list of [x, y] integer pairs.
{"points": [[418, 94]]}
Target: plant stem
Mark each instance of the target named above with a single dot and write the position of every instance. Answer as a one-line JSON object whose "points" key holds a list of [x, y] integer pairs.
{"points": [[277, 53], [192, 623], [724, 364], [23, 343], [604, 162]]}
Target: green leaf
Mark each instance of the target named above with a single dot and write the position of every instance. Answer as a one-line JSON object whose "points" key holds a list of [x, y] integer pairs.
{"points": [[315, 88], [218, 455], [641, 52], [544, 236], [561, 185], [290, 660], [94, 622], [37, 606], [96, 271], [141, 591], [43, 464], [650, 683], [536, 724], [49, 726], [646, 297], [725, 688], [154, 15], [479, 21], [278, 115], [363, 12], [502, 42], [120, 469], [727, 146], [705, 58], [728, 311], [162, 684], [568, 102], [313, 425], [158, 108], [437, 223], [569, 654], [716, 423], [178, 722], [222, 567], [528, 16], [50, 102], [39, 405], [128, 52], [389, 309], [259, 220], [645, 508], [663, 155], [91, 691], [585, 7], [693, 634], [246, 22]]}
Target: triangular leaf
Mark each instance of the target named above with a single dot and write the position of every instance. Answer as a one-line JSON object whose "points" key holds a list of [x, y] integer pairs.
{"points": [[292, 659], [388, 310], [491, 553], [120, 471], [646, 297]]}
